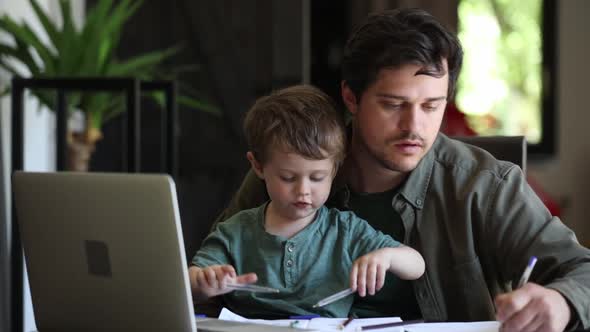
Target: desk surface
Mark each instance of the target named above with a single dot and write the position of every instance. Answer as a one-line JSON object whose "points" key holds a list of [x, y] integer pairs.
{"points": [[215, 325]]}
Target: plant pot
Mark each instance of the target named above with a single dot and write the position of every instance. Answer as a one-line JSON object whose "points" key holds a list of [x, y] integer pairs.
{"points": [[79, 153], [81, 142]]}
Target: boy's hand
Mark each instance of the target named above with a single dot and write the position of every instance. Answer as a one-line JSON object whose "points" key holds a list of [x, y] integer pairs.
{"points": [[210, 281], [368, 271]]}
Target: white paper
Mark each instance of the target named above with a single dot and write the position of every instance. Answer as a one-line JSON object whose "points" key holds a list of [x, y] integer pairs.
{"points": [[486, 326], [316, 324], [227, 314], [355, 324]]}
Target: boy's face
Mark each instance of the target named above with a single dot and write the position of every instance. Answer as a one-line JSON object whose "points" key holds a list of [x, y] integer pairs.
{"points": [[297, 186], [398, 116]]}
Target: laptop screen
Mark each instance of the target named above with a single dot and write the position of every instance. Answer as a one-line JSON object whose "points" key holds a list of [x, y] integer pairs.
{"points": [[103, 251]]}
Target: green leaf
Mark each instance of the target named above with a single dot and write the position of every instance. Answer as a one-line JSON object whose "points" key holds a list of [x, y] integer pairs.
{"points": [[102, 32], [200, 105], [88, 51], [24, 34], [141, 64], [112, 30], [9, 68], [69, 48], [48, 25], [44, 52], [19, 54], [25, 56], [66, 17]]}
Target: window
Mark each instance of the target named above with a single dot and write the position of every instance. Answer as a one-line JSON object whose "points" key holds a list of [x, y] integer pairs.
{"points": [[507, 85]]}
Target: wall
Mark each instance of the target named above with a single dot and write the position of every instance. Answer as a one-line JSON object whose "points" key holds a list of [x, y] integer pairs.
{"points": [[568, 176], [36, 156], [39, 149]]}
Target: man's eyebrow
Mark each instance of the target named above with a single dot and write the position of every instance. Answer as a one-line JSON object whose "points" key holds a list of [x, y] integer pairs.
{"points": [[390, 96]]}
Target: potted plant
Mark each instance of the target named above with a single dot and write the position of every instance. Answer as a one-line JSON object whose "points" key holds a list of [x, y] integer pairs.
{"points": [[85, 52]]}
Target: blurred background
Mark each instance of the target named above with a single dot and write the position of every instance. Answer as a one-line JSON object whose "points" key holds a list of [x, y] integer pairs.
{"points": [[524, 74]]}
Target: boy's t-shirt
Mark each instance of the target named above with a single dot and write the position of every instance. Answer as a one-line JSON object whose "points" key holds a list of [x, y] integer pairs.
{"points": [[313, 264]]}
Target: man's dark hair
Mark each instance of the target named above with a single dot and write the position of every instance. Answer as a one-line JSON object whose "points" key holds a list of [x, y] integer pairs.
{"points": [[394, 38]]}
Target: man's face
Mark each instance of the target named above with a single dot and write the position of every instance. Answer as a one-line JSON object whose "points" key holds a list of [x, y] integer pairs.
{"points": [[398, 117]]}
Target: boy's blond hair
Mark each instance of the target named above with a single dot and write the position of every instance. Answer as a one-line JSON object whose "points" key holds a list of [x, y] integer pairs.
{"points": [[300, 119]]}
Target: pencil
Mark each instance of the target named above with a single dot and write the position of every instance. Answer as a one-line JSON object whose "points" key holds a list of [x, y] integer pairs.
{"points": [[343, 325], [386, 325]]}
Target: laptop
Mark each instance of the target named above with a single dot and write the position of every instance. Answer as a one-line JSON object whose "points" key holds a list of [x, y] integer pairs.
{"points": [[104, 251]]}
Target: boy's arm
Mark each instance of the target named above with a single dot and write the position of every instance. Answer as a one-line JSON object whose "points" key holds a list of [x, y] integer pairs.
{"points": [[212, 263], [405, 262], [375, 253], [368, 271], [201, 288], [212, 280]]}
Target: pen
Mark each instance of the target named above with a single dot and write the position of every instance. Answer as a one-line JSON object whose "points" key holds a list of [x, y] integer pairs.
{"points": [[251, 288], [527, 272], [296, 324], [343, 325], [334, 298], [304, 317], [386, 325]]}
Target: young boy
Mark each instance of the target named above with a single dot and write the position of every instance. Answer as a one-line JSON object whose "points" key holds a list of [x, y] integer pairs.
{"points": [[293, 242]]}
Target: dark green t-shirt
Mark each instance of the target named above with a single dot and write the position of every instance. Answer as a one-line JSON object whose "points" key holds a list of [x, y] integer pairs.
{"points": [[396, 298]]}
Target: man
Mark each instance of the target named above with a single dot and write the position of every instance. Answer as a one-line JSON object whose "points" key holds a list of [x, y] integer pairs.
{"points": [[474, 219]]}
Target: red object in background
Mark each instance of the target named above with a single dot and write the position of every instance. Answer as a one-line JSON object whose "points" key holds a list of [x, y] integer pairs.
{"points": [[455, 124], [549, 202]]}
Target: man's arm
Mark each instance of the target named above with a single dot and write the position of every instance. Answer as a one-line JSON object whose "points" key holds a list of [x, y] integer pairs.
{"points": [[520, 226], [252, 193]]}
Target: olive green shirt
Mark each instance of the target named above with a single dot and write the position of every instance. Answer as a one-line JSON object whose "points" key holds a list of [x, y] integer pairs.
{"points": [[311, 265], [476, 222]]}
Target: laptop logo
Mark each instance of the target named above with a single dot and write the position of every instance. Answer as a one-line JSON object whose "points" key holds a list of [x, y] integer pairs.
{"points": [[97, 258]]}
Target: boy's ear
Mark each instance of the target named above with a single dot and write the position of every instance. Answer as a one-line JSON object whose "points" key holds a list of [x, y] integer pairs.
{"points": [[256, 166], [349, 98]]}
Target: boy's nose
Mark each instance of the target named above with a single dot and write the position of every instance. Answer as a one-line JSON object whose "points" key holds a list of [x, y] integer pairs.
{"points": [[303, 188]]}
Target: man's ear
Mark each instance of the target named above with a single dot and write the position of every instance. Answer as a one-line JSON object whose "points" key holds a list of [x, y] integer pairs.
{"points": [[256, 166], [348, 97]]}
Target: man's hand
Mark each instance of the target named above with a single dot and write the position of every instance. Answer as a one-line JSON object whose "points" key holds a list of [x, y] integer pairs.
{"points": [[532, 308], [211, 281]]}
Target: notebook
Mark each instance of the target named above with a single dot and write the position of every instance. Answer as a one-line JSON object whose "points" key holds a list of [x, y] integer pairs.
{"points": [[104, 251]]}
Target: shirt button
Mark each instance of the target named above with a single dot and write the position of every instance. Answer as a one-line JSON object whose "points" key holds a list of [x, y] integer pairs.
{"points": [[289, 263], [291, 247], [422, 293], [419, 202]]}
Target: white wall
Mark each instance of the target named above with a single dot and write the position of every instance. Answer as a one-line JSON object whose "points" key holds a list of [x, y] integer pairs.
{"points": [[37, 152], [39, 143], [568, 177]]}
